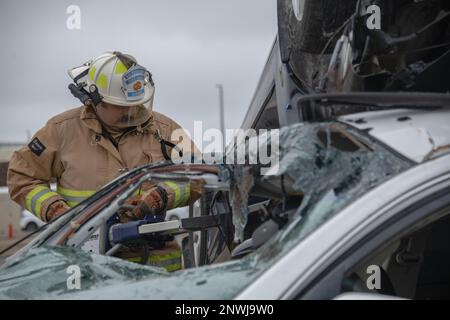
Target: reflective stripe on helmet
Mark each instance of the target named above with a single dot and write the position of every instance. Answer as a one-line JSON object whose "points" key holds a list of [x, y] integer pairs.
{"points": [[102, 81], [120, 68], [92, 73]]}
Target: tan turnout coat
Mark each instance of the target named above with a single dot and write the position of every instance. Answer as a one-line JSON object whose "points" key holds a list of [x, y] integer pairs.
{"points": [[71, 149]]}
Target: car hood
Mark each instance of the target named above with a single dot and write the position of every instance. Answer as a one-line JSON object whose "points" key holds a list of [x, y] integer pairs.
{"points": [[42, 274]]}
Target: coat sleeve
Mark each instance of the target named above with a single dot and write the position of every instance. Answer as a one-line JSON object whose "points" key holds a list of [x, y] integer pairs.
{"points": [[31, 169]]}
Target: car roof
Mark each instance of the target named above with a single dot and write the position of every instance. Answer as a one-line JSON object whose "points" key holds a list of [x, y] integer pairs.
{"points": [[417, 134]]}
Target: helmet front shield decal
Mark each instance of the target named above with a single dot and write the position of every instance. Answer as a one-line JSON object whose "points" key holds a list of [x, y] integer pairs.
{"points": [[133, 83]]}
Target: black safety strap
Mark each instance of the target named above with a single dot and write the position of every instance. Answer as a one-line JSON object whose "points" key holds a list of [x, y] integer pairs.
{"points": [[106, 134], [164, 144]]}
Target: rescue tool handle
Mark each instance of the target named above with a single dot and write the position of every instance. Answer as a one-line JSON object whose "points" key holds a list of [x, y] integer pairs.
{"points": [[137, 230]]}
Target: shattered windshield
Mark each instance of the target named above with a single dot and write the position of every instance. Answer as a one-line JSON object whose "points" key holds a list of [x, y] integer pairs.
{"points": [[324, 167]]}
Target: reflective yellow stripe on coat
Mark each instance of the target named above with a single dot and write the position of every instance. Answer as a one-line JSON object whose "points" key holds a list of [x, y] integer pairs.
{"points": [[170, 261], [36, 197], [74, 197]]}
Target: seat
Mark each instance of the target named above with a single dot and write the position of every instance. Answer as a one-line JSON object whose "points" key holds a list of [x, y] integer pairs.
{"points": [[434, 277], [404, 265]]}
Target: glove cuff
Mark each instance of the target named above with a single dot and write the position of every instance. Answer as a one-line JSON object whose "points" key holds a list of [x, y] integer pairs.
{"points": [[164, 197]]}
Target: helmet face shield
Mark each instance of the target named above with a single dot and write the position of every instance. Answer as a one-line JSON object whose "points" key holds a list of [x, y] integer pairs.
{"points": [[120, 118], [136, 116]]}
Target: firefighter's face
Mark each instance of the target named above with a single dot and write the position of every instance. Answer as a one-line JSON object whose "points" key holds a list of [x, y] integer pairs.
{"points": [[118, 116]]}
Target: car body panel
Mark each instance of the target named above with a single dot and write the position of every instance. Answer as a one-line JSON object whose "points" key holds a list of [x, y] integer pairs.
{"points": [[320, 248], [416, 134], [300, 261]]}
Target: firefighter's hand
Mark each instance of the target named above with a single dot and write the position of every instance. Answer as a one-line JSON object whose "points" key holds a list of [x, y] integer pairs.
{"points": [[56, 210], [152, 202], [125, 214]]}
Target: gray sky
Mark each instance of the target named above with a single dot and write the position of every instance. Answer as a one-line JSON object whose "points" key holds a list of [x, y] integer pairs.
{"points": [[189, 46]]}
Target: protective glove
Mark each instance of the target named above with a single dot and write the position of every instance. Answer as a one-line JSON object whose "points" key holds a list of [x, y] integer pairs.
{"points": [[152, 202], [124, 213], [56, 210]]}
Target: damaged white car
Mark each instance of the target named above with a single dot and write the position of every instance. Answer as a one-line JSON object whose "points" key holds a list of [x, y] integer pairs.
{"points": [[358, 207]]}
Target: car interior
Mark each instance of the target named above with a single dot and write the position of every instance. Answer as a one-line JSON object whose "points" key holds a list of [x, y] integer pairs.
{"points": [[414, 266]]}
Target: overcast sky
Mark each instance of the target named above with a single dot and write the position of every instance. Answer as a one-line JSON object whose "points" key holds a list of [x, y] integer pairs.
{"points": [[189, 46]]}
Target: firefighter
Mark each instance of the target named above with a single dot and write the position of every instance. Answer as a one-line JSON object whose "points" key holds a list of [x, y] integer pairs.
{"points": [[84, 148]]}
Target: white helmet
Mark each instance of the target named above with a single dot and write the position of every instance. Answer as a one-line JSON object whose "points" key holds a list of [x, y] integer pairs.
{"points": [[118, 78]]}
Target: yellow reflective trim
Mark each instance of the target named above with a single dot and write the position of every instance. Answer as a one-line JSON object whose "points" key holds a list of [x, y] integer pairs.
{"points": [[72, 204], [102, 81], [158, 261], [162, 257], [120, 68], [92, 73], [41, 200], [173, 267], [75, 193], [31, 194], [186, 195], [176, 189], [74, 197]]}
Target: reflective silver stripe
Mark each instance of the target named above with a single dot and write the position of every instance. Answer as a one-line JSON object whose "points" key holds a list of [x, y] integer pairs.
{"points": [[36, 198]]}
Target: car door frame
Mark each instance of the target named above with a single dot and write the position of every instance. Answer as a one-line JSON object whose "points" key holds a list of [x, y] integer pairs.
{"points": [[316, 253], [424, 211]]}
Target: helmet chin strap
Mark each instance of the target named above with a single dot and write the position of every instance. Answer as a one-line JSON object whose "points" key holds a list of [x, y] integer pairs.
{"points": [[105, 132]]}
